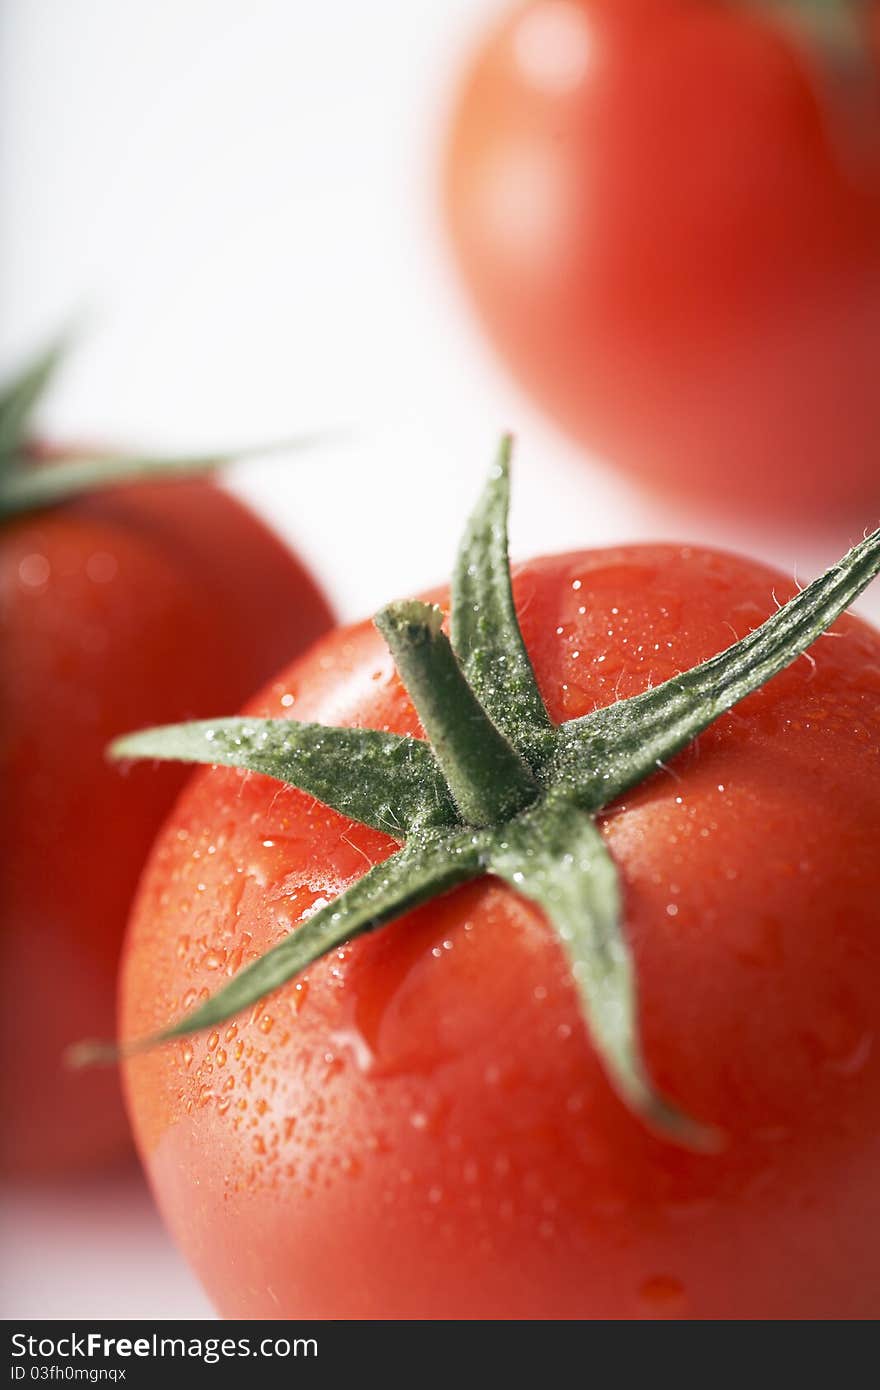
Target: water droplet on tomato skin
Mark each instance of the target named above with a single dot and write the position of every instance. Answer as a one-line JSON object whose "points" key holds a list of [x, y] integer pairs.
{"points": [[34, 571]]}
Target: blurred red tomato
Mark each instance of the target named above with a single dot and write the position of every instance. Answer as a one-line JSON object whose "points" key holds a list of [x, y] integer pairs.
{"points": [[668, 214], [134, 606]]}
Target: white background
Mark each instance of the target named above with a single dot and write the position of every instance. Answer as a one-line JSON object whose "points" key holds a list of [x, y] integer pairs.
{"points": [[237, 198]]}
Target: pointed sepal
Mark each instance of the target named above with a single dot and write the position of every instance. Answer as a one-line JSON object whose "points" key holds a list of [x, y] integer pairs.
{"points": [[387, 781], [425, 869], [603, 754], [25, 489], [20, 397], [485, 631], [555, 855]]}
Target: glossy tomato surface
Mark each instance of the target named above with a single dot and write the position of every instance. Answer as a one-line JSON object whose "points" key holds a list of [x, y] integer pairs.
{"points": [[133, 607], [419, 1127], [668, 215]]}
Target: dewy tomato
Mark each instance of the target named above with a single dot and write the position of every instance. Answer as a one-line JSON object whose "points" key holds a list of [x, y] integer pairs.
{"points": [[668, 215], [419, 1126], [128, 604]]}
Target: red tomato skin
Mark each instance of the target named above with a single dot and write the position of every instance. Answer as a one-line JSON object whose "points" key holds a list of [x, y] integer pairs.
{"points": [[669, 222], [420, 1127], [147, 604]]}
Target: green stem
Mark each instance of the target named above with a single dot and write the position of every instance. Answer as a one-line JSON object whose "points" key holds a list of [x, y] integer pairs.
{"points": [[489, 780]]}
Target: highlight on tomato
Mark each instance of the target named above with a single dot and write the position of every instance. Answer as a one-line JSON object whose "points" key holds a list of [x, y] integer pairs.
{"points": [[124, 597], [516, 957], [667, 215]]}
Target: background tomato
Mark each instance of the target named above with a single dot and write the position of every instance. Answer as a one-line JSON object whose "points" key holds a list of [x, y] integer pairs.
{"points": [[420, 1127], [141, 604], [668, 215]]}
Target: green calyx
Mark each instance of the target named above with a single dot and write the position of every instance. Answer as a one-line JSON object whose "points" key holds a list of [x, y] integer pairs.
{"points": [[26, 486], [496, 787]]}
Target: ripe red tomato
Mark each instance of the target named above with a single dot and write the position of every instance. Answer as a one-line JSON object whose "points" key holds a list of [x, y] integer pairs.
{"points": [[668, 215], [421, 1127], [148, 602]]}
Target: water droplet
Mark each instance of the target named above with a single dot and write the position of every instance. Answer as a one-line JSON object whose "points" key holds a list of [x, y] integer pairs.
{"points": [[34, 571], [101, 567]]}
